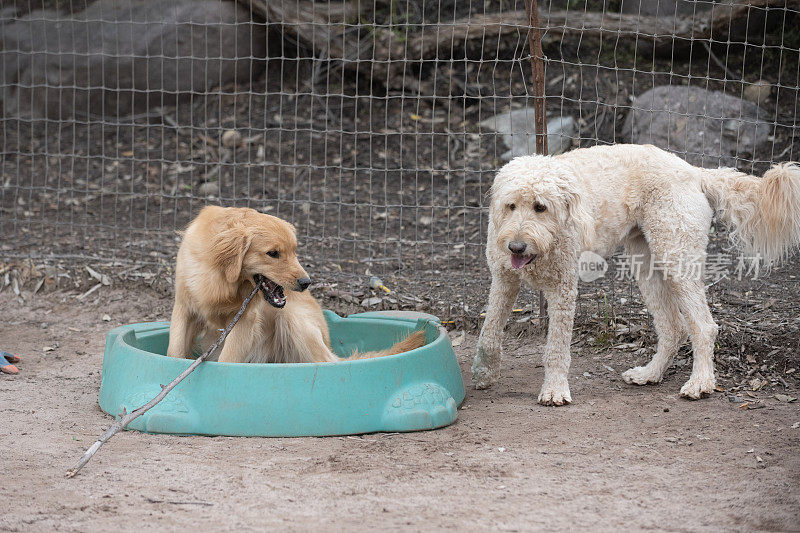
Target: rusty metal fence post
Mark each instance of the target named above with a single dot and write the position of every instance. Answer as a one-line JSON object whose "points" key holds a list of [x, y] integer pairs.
{"points": [[539, 116]]}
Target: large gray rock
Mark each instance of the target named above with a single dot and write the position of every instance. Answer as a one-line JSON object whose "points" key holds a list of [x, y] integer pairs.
{"points": [[120, 57], [518, 132], [707, 128]]}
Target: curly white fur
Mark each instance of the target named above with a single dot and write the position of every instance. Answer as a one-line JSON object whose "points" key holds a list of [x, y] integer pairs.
{"points": [[545, 210]]}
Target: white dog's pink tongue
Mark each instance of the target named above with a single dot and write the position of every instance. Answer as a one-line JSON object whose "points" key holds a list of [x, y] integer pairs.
{"points": [[519, 261]]}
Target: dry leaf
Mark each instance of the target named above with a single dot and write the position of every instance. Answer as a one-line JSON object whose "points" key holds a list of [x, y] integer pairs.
{"points": [[458, 340], [785, 398]]}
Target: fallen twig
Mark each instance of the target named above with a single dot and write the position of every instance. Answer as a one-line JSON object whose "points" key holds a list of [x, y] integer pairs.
{"points": [[720, 64], [173, 502], [128, 418]]}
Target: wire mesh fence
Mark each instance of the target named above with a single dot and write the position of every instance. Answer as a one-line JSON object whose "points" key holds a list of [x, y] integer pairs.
{"points": [[375, 127]]}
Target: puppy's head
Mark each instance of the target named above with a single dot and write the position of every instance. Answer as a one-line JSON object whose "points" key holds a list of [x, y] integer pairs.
{"points": [[253, 246], [534, 199]]}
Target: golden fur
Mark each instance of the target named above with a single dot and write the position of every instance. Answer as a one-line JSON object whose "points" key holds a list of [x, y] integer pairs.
{"points": [[222, 249]]}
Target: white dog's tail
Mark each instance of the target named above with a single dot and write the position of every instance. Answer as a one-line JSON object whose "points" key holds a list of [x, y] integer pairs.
{"points": [[763, 214]]}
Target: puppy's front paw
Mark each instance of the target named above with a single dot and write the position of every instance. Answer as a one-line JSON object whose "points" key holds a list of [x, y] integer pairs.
{"points": [[697, 387], [555, 392], [641, 375]]}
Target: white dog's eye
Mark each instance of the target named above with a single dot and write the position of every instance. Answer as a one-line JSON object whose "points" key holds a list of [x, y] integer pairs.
{"points": [[511, 207], [539, 208], [274, 254]]}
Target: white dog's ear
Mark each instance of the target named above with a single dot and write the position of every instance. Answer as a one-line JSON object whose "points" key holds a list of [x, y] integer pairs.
{"points": [[228, 249], [580, 217]]}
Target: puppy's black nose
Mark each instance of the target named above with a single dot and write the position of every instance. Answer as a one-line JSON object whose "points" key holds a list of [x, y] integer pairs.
{"points": [[303, 283], [517, 247]]}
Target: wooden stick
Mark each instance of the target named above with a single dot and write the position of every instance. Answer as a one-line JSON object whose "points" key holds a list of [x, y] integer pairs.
{"points": [[537, 75], [539, 112], [128, 418]]}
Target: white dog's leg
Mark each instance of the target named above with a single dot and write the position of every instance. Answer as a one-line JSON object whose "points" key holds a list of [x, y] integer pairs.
{"points": [[667, 319], [486, 366], [556, 359], [703, 332], [683, 252]]}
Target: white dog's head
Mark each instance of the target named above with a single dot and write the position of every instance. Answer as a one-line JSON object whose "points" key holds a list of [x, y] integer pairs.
{"points": [[534, 200]]}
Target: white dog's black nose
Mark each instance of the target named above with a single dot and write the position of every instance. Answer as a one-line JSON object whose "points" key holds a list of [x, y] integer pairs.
{"points": [[303, 283], [517, 247]]}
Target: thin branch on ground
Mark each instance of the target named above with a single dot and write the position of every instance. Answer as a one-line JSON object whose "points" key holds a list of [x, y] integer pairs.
{"points": [[731, 75], [120, 424]]}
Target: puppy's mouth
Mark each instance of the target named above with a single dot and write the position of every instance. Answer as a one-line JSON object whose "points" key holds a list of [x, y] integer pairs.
{"points": [[272, 292], [519, 260]]}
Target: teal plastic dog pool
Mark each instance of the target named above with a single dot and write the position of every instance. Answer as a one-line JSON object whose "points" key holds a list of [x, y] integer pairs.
{"points": [[412, 391]]}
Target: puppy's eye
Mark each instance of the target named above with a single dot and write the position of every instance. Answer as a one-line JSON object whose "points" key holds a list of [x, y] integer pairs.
{"points": [[274, 254], [539, 208], [511, 207]]}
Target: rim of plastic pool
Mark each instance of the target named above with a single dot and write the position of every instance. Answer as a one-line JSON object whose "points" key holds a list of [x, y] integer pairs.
{"points": [[417, 390]]}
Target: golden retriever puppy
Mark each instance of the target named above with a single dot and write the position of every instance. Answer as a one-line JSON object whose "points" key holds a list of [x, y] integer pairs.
{"points": [[545, 211], [227, 251]]}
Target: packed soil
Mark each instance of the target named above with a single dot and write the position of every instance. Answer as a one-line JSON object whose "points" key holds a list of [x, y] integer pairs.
{"points": [[388, 182], [620, 457]]}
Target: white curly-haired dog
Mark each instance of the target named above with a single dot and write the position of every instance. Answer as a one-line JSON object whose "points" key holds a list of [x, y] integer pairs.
{"points": [[545, 210]]}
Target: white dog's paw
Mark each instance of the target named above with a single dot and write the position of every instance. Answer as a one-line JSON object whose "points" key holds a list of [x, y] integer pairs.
{"points": [[555, 392], [697, 387], [641, 375], [486, 367], [484, 377]]}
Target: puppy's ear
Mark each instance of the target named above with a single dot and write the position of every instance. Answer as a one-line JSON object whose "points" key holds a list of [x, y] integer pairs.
{"points": [[228, 248]]}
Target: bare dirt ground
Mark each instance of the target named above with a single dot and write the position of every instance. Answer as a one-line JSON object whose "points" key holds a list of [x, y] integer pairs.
{"points": [[621, 457]]}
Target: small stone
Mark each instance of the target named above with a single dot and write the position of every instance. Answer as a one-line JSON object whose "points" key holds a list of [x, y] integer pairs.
{"points": [[371, 302], [501, 449], [106, 318], [517, 130], [209, 188], [758, 92], [231, 139], [671, 439]]}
